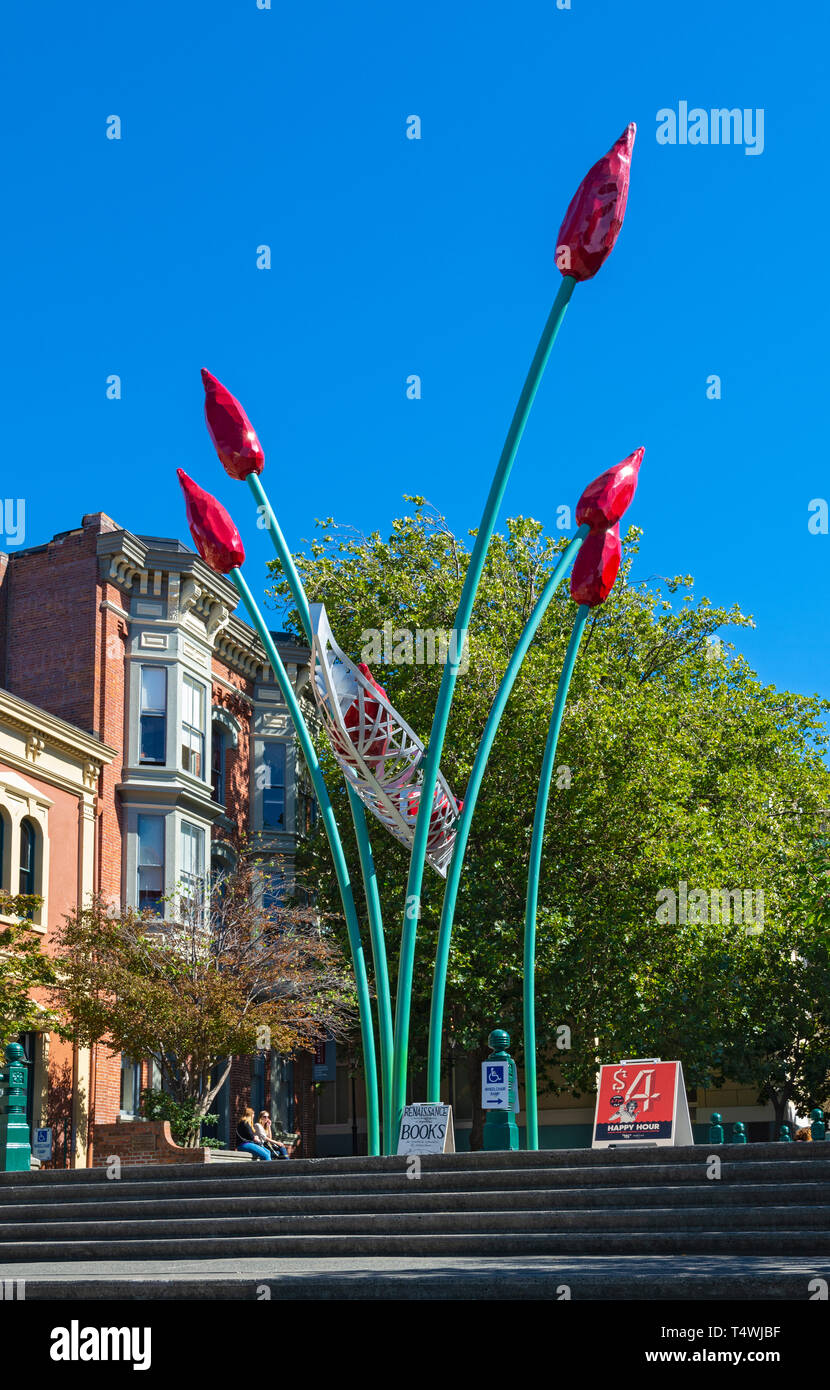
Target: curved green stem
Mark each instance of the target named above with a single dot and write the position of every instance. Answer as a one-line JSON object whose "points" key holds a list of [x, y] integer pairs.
{"points": [[340, 866], [358, 811], [268, 521], [442, 955], [529, 1003], [373, 908], [445, 693]]}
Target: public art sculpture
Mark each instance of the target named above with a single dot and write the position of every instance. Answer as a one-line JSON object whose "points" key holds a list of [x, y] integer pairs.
{"points": [[384, 763]]}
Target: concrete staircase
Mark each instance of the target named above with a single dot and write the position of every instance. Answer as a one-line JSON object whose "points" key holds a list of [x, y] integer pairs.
{"points": [[641, 1219]]}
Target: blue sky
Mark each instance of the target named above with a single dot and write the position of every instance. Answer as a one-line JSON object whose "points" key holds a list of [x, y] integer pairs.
{"points": [[286, 127]]}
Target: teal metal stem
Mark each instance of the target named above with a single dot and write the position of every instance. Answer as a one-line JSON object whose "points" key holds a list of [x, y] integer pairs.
{"points": [[373, 908], [367, 866], [284, 556], [529, 1002], [445, 693], [442, 955], [340, 866]]}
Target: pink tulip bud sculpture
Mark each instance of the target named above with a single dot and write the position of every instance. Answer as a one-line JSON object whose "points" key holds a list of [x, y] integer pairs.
{"points": [[589, 233], [243, 458], [218, 542], [595, 569], [370, 740], [595, 215]]}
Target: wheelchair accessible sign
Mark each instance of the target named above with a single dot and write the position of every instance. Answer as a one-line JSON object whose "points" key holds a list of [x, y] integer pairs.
{"points": [[496, 1084]]}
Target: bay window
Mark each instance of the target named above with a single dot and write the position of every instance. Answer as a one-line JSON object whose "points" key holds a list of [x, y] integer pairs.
{"points": [[153, 715], [150, 862], [192, 865], [193, 727]]}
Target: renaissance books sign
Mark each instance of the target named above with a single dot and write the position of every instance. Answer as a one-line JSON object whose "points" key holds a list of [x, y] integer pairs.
{"points": [[641, 1102], [426, 1129]]}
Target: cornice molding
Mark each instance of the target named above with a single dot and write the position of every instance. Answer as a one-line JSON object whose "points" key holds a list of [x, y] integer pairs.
{"points": [[53, 732]]}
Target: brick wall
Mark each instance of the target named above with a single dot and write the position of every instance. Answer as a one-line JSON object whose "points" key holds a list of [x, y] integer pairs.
{"points": [[237, 760], [51, 597], [141, 1142]]}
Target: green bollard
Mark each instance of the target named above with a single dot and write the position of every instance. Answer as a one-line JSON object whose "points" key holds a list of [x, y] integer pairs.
{"points": [[500, 1128], [738, 1133], [818, 1128], [15, 1147], [785, 1137], [716, 1128]]}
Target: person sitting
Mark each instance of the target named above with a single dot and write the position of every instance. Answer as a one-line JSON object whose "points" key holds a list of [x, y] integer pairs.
{"points": [[262, 1129], [246, 1138]]}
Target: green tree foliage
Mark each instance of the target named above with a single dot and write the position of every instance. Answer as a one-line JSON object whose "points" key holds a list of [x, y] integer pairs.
{"points": [[206, 983], [675, 764], [23, 968]]}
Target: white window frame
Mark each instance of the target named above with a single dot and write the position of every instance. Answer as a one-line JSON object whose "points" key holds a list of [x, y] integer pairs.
{"points": [[189, 731], [161, 867], [152, 714]]}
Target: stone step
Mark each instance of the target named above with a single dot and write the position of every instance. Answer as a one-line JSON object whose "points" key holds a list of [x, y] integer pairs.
{"points": [[624, 1278], [780, 1154], [413, 1198], [770, 1242], [448, 1221], [192, 1181]]}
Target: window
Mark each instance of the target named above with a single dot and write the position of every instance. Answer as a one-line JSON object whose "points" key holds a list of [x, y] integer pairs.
{"points": [[130, 1085], [150, 862], [217, 764], [2, 850], [273, 786], [153, 718], [27, 857], [192, 874], [193, 727]]}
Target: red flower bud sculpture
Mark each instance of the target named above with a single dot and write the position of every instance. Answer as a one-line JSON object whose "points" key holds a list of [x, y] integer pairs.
{"points": [[595, 215], [233, 435], [596, 567], [214, 534], [606, 499], [602, 504]]}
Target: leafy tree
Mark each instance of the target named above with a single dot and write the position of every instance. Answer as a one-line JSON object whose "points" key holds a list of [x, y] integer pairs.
{"points": [[209, 982], [23, 968], [783, 1045], [184, 1116], [675, 765]]}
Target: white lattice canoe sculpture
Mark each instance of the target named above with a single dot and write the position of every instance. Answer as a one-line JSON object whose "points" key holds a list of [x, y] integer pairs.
{"points": [[378, 752]]}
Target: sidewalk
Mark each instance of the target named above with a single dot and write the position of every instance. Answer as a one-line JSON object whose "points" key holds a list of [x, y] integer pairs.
{"points": [[616, 1278]]}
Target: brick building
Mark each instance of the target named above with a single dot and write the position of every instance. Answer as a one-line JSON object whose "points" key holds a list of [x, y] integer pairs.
{"points": [[49, 774], [131, 641]]}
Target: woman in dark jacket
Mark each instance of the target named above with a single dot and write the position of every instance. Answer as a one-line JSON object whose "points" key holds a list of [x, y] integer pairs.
{"points": [[246, 1138]]}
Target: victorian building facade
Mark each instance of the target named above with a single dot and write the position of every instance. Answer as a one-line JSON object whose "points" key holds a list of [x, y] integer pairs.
{"points": [[131, 642]]}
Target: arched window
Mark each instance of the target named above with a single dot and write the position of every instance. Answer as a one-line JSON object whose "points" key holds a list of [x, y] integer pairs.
{"points": [[27, 857], [2, 851]]}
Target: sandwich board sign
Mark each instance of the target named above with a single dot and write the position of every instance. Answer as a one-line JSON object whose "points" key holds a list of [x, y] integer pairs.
{"points": [[641, 1102], [499, 1085], [426, 1129]]}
